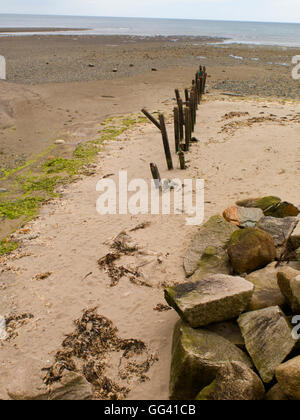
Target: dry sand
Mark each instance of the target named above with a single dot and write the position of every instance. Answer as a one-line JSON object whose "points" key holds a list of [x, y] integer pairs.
{"points": [[239, 156]]}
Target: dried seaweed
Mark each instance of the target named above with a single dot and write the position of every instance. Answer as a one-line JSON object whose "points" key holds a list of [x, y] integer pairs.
{"points": [[14, 322], [160, 307], [88, 350]]}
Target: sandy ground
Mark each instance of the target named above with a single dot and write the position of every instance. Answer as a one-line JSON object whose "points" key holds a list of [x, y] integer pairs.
{"points": [[238, 156]]}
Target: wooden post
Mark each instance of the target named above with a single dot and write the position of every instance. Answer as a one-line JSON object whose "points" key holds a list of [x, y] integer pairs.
{"points": [[186, 92], [156, 175], [165, 141], [176, 129], [199, 90], [181, 119], [177, 95], [181, 159], [187, 128], [151, 118]]}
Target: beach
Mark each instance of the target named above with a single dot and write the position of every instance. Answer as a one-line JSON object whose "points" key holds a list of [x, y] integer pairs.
{"points": [[69, 89], [56, 82]]}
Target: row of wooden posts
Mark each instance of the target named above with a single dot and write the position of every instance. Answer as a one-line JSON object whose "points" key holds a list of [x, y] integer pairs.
{"points": [[185, 118]]}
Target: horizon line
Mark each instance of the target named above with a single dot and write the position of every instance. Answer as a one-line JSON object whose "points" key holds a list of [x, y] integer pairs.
{"points": [[158, 18]]}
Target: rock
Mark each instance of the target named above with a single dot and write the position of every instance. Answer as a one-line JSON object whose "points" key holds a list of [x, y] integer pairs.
{"points": [[276, 394], [28, 384], [242, 216], [288, 377], [196, 357], [279, 229], [284, 209], [228, 330], [207, 252], [250, 249], [71, 387], [59, 142], [295, 237], [267, 292], [264, 203], [3, 190], [268, 338], [234, 382], [289, 284], [216, 298], [91, 65], [115, 70], [271, 206]]}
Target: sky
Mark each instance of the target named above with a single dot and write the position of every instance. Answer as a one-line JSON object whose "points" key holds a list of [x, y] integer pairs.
{"points": [[253, 10]]}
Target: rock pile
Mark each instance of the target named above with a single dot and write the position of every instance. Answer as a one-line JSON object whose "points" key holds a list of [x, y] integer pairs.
{"points": [[235, 339]]}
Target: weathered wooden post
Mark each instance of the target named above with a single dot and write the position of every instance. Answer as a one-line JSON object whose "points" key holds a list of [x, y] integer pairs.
{"points": [[186, 92], [165, 141], [187, 128], [176, 129], [181, 119], [151, 118], [181, 159], [155, 175]]}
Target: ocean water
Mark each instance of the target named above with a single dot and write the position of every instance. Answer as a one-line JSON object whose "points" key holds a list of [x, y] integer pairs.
{"points": [[283, 34]]}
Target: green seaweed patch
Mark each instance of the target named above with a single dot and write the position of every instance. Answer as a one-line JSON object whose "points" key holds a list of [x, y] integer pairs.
{"points": [[6, 247], [24, 207], [86, 151], [46, 184], [57, 165]]}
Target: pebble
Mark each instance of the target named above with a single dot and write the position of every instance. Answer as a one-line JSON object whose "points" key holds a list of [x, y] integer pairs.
{"points": [[59, 142], [3, 190]]}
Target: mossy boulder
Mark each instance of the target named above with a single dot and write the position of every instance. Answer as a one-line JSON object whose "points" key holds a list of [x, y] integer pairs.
{"points": [[267, 292], [250, 249], [215, 298], [234, 382], [207, 251], [288, 376], [271, 206], [268, 338], [197, 355]]}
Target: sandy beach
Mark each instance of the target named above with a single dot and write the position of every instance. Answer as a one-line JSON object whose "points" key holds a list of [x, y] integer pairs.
{"points": [[239, 156], [65, 88]]}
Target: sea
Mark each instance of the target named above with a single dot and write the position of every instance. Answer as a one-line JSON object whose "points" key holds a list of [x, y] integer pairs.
{"points": [[258, 33]]}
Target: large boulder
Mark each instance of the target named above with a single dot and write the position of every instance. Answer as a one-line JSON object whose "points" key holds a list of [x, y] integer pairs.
{"points": [[230, 331], [207, 251], [197, 356], [268, 338], [216, 298], [28, 384], [279, 229], [289, 284], [276, 394], [242, 216], [267, 292], [295, 237], [288, 377], [250, 249], [234, 382], [271, 206]]}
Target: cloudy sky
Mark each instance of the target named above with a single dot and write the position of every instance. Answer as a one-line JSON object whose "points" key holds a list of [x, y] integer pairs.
{"points": [[260, 10]]}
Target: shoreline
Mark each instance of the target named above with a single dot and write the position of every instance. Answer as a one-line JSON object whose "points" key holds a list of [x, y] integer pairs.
{"points": [[24, 30]]}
